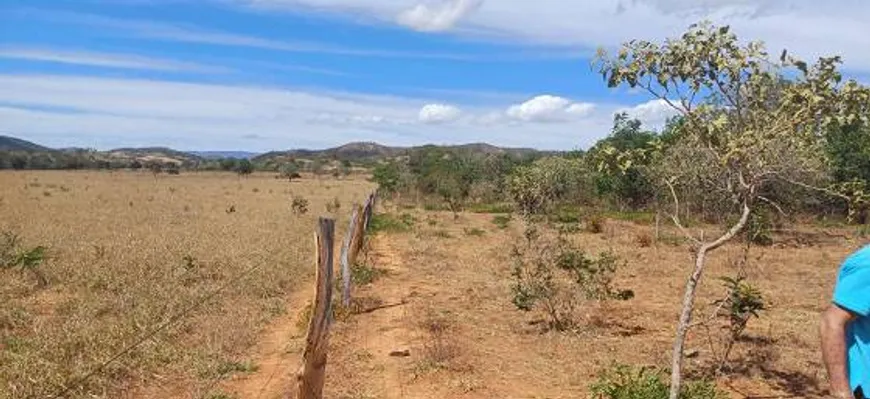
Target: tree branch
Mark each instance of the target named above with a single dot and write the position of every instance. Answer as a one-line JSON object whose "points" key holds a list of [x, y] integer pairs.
{"points": [[774, 204], [744, 217], [676, 215]]}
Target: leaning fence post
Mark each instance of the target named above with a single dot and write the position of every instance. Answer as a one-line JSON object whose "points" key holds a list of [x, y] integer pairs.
{"points": [[346, 257], [368, 210], [312, 373]]}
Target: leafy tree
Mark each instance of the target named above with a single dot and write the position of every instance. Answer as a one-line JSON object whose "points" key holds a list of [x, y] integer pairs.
{"points": [[229, 164], [388, 176], [748, 122], [630, 184], [244, 167], [290, 171], [18, 162], [538, 187]]}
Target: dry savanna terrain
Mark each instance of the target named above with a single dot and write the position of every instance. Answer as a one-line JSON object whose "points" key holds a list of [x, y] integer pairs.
{"points": [[213, 256], [127, 252]]}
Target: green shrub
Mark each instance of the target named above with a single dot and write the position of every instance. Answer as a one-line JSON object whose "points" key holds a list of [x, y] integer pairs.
{"points": [[626, 382], [389, 223], [759, 229], [362, 274], [554, 278], [565, 215]]}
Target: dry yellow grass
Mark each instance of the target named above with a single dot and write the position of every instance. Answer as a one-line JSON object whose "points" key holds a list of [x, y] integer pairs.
{"points": [[127, 251]]}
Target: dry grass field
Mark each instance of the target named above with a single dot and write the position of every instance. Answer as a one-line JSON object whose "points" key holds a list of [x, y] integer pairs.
{"points": [[127, 252], [467, 340]]}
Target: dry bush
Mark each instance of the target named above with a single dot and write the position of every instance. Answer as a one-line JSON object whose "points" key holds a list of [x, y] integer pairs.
{"points": [[117, 272], [440, 349], [644, 240]]}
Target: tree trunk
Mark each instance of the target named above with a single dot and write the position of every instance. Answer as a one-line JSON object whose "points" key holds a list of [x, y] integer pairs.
{"points": [[689, 300]]}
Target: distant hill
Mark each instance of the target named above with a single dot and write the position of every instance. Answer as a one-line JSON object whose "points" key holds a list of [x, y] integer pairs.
{"points": [[360, 153], [145, 154], [368, 152], [224, 154], [14, 144]]}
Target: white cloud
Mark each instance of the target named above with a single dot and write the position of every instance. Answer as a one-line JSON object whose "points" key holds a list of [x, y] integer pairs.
{"points": [[439, 113], [653, 113], [547, 108], [197, 35], [436, 17], [123, 61], [807, 28], [104, 112]]}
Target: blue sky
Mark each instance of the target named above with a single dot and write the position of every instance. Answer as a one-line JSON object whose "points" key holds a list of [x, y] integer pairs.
{"points": [[274, 74]]}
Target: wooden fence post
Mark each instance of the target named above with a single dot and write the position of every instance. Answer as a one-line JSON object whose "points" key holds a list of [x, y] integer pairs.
{"points": [[347, 258], [312, 373], [369, 210]]}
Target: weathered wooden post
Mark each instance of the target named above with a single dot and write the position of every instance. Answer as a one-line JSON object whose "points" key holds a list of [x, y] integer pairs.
{"points": [[369, 210], [347, 255], [312, 373]]}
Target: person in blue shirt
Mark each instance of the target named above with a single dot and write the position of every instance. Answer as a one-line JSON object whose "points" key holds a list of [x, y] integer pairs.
{"points": [[845, 329]]}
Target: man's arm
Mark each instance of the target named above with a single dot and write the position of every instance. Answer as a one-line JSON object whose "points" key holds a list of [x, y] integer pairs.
{"points": [[833, 334]]}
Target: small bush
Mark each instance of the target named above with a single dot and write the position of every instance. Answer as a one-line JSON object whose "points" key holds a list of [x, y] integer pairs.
{"points": [[299, 205], [333, 206], [742, 303], [439, 348], [441, 234], [568, 228], [625, 382], [13, 256], [555, 277], [501, 221], [595, 225], [644, 240], [362, 274]]}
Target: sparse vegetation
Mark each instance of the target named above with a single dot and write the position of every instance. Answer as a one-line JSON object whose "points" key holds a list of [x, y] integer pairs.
{"points": [[501, 221], [390, 223], [539, 285], [626, 382]]}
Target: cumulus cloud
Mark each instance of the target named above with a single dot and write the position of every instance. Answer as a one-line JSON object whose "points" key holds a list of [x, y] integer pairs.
{"points": [[100, 112], [436, 17], [652, 113], [548, 108], [439, 113]]}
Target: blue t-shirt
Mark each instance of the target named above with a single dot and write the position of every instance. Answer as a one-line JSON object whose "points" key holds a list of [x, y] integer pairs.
{"points": [[853, 293]]}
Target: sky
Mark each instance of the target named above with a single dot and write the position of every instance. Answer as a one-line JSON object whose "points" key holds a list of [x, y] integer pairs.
{"points": [[260, 75]]}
